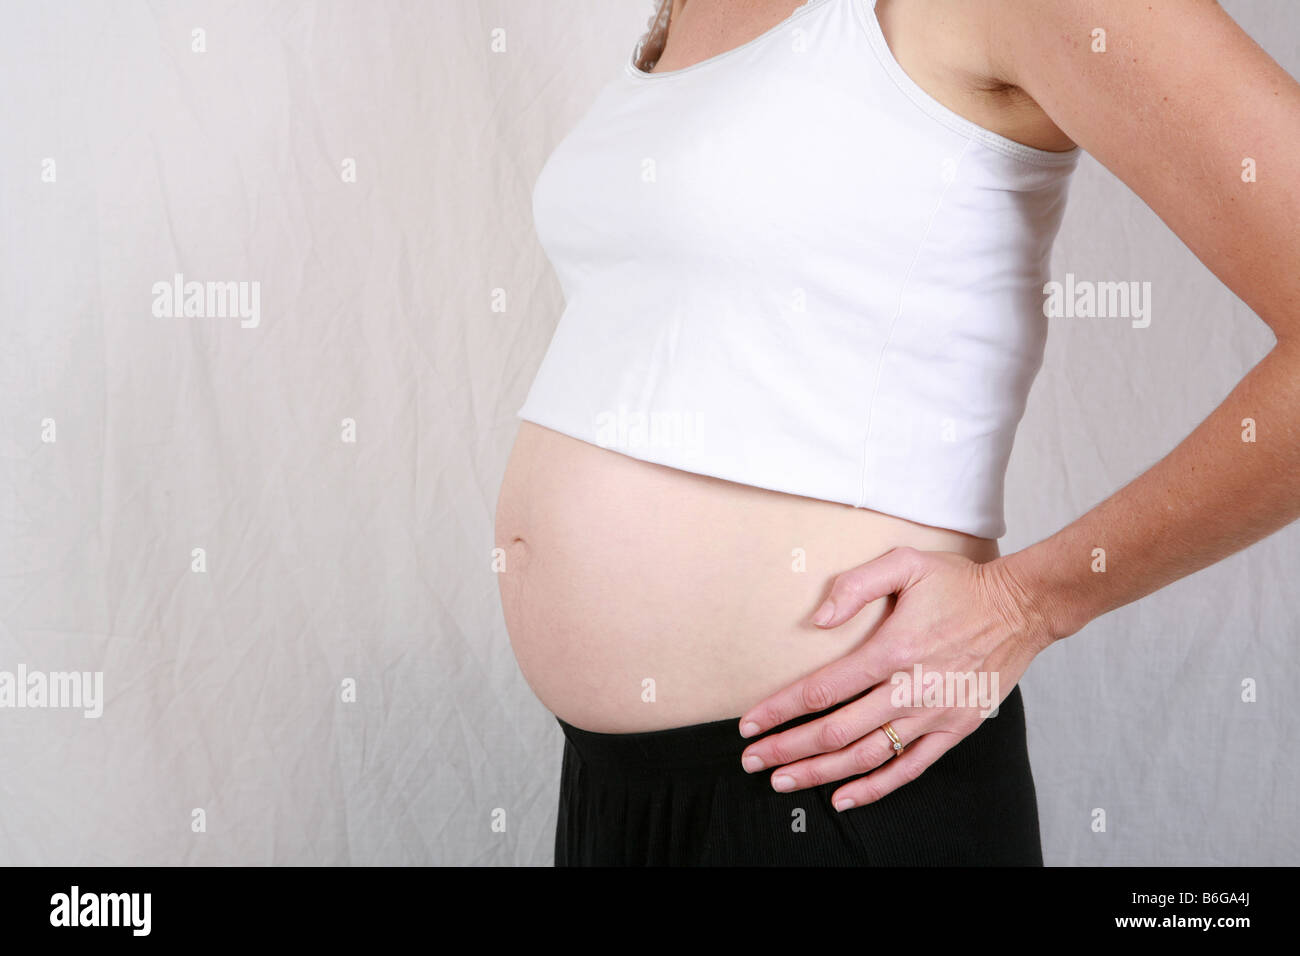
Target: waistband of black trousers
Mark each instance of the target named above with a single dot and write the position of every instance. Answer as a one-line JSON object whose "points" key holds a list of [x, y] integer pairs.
{"points": [[716, 744]]}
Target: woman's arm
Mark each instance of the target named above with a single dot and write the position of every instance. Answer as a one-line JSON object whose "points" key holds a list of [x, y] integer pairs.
{"points": [[1179, 105]]}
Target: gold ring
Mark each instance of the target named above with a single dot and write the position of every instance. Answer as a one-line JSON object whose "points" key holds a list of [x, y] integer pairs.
{"points": [[898, 744]]}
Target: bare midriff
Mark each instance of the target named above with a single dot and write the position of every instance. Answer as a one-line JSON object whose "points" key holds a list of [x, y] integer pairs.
{"points": [[639, 597]]}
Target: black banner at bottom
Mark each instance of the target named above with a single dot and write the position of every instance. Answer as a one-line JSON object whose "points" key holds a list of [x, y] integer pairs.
{"points": [[332, 906]]}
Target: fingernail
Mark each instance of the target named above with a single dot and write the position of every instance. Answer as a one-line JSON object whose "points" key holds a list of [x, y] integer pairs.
{"points": [[782, 782], [845, 804], [752, 763], [825, 612], [748, 729]]}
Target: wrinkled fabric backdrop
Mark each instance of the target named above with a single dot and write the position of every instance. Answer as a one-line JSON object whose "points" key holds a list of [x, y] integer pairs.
{"points": [[187, 510]]}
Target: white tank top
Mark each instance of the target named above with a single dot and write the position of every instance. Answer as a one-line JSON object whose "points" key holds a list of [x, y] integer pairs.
{"points": [[790, 267]]}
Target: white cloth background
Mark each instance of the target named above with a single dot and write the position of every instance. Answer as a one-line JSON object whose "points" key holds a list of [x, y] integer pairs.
{"points": [[328, 560]]}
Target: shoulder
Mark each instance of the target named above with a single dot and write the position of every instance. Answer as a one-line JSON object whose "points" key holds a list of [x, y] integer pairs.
{"points": [[1185, 108]]}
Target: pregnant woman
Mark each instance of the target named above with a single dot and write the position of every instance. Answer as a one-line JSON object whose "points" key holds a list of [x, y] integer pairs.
{"points": [[751, 516]]}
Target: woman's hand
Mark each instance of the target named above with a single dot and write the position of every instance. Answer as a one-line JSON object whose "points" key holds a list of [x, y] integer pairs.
{"points": [[969, 624]]}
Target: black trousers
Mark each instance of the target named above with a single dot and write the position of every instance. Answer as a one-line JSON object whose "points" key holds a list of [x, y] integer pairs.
{"points": [[679, 797]]}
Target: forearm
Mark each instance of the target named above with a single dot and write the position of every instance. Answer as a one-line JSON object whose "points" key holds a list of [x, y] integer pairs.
{"points": [[1211, 496]]}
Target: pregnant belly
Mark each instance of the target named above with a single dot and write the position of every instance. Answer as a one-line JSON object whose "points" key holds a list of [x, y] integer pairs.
{"points": [[638, 597]]}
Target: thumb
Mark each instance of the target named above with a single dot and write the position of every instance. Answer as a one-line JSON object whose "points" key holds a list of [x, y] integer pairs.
{"points": [[854, 589]]}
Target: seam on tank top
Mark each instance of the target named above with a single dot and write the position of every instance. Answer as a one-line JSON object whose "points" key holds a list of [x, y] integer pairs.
{"points": [[893, 322]]}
